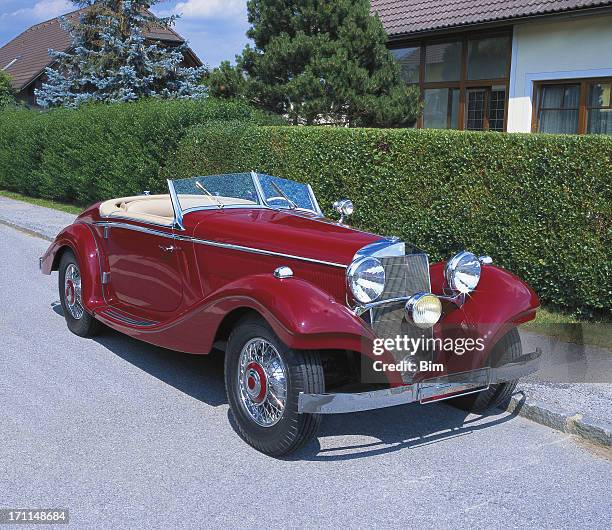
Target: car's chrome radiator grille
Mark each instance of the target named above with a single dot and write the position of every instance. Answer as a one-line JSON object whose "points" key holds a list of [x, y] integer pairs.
{"points": [[405, 275]]}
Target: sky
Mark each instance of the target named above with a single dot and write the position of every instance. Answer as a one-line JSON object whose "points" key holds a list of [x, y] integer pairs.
{"points": [[215, 29]]}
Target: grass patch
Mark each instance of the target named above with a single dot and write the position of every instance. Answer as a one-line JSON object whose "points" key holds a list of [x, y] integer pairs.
{"points": [[68, 208], [569, 328]]}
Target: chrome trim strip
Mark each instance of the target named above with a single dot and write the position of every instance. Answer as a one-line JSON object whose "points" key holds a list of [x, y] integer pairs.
{"points": [[136, 228], [127, 217], [230, 246], [113, 313], [313, 198], [263, 252], [258, 189], [178, 212], [383, 248], [361, 309]]}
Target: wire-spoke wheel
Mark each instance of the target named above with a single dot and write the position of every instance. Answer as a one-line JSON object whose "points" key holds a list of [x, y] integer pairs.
{"points": [[263, 379], [72, 291], [79, 321]]}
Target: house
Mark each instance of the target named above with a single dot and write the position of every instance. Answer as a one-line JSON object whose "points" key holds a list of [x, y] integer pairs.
{"points": [[27, 55], [506, 65]]}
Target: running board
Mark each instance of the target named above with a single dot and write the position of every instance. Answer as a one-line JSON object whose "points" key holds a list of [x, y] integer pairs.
{"points": [[122, 317]]}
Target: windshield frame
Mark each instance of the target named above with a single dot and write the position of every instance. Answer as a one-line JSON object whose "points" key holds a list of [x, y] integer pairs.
{"points": [[179, 212]]}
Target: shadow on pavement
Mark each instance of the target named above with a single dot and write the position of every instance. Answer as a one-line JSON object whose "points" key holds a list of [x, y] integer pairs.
{"points": [[200, 376], [393, 429], [397, 428]]}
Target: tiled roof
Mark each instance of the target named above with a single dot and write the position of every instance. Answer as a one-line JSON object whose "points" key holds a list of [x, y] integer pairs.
{"points": [[412, 16], [28, 53]]}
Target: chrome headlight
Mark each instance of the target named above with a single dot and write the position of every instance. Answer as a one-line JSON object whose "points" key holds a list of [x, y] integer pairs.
{"points": [[345, 208], [366, 279], [462, 272], [424, 309]]}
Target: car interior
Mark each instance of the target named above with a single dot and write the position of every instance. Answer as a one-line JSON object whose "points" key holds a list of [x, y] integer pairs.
{"points": [[158, 209]]}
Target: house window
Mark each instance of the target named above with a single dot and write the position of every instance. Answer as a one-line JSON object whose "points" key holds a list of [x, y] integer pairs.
{"points": [[441, 108], [463, 80], [485, 108], [443, 62], [488, 58], [409, 60], [573, 107], [559, 109], [599, 108]]}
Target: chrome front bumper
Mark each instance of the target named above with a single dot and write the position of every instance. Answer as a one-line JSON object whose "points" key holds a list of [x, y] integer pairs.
{"points": [[427, 391]]}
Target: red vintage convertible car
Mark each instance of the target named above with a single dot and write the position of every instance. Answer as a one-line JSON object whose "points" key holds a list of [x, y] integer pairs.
{"points": [[315, 317]]}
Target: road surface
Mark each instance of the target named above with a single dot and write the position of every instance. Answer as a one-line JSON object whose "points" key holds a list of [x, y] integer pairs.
{"points": [[126, 435]]}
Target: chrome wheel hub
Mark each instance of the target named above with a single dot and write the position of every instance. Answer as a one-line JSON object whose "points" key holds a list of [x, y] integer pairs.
{"points": [[262, 382], [72, 291]]}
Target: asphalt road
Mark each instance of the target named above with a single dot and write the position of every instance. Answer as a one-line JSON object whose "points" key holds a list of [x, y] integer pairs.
{"points": [[126, 435]]}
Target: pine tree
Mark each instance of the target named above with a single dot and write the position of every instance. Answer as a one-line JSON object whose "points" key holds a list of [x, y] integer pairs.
{"points": [[325, 61], [225, 81], [110, 59]]}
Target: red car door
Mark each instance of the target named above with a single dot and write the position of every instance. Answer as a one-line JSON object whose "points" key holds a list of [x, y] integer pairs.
{"points": [[145, 270]]}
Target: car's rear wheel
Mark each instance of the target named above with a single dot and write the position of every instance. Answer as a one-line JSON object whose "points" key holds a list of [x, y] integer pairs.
{"points": [[263, 379], [507, 349], [79, 321]]}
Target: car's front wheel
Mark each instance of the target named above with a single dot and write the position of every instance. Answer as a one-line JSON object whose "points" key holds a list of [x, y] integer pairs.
{"points": [[79, 321], [263, 379], [505, 351]]}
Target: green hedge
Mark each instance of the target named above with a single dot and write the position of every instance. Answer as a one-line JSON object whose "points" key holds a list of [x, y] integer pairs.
{"points": [[541, 205], [101, 151]]}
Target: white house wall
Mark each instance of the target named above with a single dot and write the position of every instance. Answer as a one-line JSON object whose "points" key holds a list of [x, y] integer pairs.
{"points": [[571, 48]]}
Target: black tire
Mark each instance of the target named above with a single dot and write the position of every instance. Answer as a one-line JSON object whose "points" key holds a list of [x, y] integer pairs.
{"points": [[304, 373], [508, 348], [85, 325]]}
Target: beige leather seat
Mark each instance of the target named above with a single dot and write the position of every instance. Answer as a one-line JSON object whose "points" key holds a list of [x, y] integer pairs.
{"points": [[158, 209]]}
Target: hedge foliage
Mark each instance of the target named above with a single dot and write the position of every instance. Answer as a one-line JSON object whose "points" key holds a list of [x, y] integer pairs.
{"points": [[541, 205], [102, 150]]}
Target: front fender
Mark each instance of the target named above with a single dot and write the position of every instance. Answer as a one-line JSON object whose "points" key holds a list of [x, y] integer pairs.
{"points": [[501, 302], [301, 314], [80, 239]]}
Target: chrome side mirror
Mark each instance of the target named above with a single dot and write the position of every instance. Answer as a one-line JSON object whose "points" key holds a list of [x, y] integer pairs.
{"points": [[345, 208]]}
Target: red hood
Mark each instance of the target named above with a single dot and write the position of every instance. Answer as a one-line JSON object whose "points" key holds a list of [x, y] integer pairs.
{"points": [[280, 231]]}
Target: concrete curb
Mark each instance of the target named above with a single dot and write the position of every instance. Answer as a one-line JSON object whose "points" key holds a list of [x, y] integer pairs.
{"points": [[589, 429], [33, 233]]}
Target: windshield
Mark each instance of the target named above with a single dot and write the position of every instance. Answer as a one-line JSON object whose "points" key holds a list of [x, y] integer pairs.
{"points": [[283, 193], [243, 190], [218, 191]]}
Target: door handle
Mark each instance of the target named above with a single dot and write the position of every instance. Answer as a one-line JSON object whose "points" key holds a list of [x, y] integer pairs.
{"points": [[171, 248]]}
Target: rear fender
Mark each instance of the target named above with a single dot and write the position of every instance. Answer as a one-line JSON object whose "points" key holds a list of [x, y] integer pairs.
{"points": [[80, 239]]}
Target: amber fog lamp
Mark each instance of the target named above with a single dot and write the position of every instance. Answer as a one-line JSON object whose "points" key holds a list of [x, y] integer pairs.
{"points": [[424, 310], [462, 272]]}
